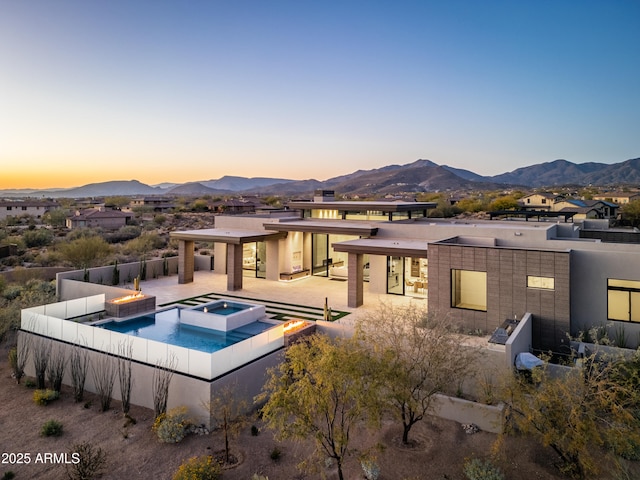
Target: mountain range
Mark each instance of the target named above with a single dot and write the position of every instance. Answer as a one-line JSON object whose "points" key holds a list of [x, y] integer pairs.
{"points": [[418, 176]]}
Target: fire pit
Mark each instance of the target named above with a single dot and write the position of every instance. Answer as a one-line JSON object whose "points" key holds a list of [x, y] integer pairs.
{"points": [[130, 305]]}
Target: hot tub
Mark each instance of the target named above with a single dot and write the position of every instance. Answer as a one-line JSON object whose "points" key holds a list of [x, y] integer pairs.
{"points": [[222, 315]]}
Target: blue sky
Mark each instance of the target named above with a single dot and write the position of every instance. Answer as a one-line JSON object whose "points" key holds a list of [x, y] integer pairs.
{"points": [[194, 90]]}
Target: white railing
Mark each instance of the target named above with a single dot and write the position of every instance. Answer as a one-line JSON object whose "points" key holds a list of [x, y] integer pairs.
{"points": [[41, 320]]}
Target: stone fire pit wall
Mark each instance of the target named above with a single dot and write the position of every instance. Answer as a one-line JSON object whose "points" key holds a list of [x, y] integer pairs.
{"points": [[144, 303]]}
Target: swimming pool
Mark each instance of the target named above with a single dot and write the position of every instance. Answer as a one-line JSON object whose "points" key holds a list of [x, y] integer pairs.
{"points": [[165, 326]]}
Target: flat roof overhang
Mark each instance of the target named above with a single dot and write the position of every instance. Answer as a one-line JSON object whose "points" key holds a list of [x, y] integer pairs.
{"points": [[388, 246], [227, 235], [339, 227], [364, 206]]}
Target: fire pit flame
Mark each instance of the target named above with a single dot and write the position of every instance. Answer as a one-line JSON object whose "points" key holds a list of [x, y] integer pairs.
{"points": [[293, 325], [128, 298]]}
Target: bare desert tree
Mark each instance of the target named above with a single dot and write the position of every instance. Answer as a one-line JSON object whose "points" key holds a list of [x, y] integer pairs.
{"points": [[104, 376], [417, 356], [19, 356], [227, 411], [125, 352], [41, 352], [79, 365], [162, 375], [56, 366]]}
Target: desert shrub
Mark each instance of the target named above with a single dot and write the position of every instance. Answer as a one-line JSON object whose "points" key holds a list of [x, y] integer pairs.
{"points": [[37, 238], [44, 396], [90, 461], [476, 469], [370, 469], [255, 431], [17, 370], [275, 454], [51, 428], [8, 475], [173, 426], [199, 468]]}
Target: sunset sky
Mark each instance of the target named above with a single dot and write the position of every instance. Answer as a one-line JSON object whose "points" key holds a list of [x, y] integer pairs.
{"points": [[178, 91]]}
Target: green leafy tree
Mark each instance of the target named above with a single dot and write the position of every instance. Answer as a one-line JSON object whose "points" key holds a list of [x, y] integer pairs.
{"points": [[504, 203], [144, 244], [585, 414], [117, 201], [56, 217], [416, 357], [630, 213], [472, 205], [85, 252], [322, 390]]}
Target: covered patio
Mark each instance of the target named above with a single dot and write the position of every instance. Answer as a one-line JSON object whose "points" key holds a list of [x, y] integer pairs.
{"points": [[232, 238]]}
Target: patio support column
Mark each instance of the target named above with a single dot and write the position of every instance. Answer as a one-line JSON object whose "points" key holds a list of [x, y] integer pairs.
{"points": [[355, 282], [234, 267], [185, 261]]}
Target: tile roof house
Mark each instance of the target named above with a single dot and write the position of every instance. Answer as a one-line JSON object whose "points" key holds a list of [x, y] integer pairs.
{"points": [[34, 208], [620, 198], [539, 201], [99, 218], [587, 209]]}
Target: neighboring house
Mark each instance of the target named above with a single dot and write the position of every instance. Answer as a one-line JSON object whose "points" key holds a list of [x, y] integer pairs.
{"points": [[539, 201], [620, 198], [157, 204], [34, 208], [587, 209], [99, 218], [233, 206]]}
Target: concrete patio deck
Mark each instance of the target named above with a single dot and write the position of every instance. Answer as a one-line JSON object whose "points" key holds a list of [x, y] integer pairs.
{"points": [[310, 291]]}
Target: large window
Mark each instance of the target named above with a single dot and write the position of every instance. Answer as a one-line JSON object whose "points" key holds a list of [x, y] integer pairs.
{"points": [[469, 290], [623, 300]]}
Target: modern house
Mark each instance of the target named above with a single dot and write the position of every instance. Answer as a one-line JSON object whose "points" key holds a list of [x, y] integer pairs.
{"points": [[481, 275], [99, 218], [477, 273]]}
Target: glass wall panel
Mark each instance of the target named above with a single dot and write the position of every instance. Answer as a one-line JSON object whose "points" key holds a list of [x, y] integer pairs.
{"points": [[415, 276], [395, 275], [261, 259], [249, 259], [331, 214], [320, 254], [254, 259]]}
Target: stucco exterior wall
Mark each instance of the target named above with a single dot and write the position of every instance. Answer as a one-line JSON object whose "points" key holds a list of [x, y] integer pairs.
{"points": [[590, 271]]}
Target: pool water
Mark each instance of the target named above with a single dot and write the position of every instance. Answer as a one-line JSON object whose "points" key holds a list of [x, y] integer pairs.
{"points": [[223, 308], [165, 326]]}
